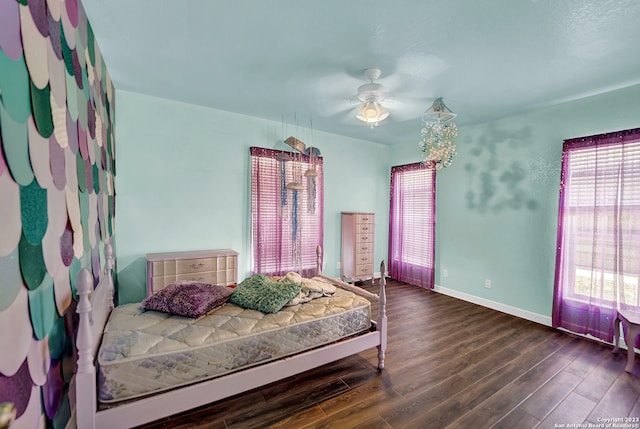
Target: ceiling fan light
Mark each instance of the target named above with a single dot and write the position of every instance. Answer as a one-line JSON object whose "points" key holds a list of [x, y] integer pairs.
{"points": [[372, 112], [382, 114]]}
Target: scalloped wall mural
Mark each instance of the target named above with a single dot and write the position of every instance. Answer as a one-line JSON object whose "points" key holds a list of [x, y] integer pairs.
{"points": [[57, 198]]}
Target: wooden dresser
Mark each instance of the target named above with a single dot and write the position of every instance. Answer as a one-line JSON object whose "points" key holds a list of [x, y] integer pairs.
{"points": [[357, 246], [218, 267]]}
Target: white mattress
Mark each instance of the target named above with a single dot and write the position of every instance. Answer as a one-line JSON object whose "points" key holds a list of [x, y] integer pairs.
{"points": [[146, 352]]}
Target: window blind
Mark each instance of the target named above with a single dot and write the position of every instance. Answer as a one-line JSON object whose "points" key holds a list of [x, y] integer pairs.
{"points": [[598, 246], [411, 227], [286, 225], [603, 175]]}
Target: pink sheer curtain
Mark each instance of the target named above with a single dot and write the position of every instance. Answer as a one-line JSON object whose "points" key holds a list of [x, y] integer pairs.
{"points": [[598, 247], [412, 224], [286, 224]]}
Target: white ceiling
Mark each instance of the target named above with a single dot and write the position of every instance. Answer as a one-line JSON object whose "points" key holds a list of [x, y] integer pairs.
{"points": [[303, 60]]}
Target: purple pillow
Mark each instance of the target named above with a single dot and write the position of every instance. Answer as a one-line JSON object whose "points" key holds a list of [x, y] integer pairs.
{"points": [[188, 299]]}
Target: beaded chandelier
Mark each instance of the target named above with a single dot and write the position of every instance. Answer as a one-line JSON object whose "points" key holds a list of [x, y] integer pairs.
{"points": [[439, 133]]}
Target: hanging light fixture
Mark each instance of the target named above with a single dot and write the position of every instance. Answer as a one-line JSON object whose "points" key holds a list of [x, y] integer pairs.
{"points": [[371, 94], [439, 133], [372, 112], [299, 147]]}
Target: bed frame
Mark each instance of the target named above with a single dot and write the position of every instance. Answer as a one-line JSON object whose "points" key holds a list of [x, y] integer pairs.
{"points": [[94, 307]]}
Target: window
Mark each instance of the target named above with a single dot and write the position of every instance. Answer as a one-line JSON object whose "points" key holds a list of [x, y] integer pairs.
{"points": [[598, 252], [286, 224], [412, 224]]}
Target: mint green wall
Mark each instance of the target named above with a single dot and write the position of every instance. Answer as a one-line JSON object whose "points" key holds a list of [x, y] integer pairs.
{"points": [[497, 204], [183, 183]]}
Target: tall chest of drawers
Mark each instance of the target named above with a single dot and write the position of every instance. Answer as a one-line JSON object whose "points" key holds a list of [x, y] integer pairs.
{"points": [[357, 246], [218, 267]]}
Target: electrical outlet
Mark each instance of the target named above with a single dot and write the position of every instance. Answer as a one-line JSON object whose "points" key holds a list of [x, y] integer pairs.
{"points": [[445, 272], [487, 284], [338, 265]]}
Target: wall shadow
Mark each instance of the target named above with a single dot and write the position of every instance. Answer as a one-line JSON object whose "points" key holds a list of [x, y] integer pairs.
{"points": [[499, 172], [131, 282]]}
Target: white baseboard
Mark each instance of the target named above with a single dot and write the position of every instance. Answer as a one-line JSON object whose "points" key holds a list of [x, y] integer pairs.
{"points": [[514, 311]]}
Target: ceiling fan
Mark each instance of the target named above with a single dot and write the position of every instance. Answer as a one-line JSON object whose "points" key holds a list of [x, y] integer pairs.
{"points": [[371, 96], [399, 96]]}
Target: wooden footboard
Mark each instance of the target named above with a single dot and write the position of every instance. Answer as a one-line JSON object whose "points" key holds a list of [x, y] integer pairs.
{"points": [[94, 307]]}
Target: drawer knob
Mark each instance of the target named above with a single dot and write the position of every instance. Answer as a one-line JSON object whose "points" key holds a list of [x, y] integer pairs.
{"points": [[196, 266]]}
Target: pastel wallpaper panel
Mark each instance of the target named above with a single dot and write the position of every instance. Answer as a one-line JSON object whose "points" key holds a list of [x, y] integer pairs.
{"points": [[57, 197]]}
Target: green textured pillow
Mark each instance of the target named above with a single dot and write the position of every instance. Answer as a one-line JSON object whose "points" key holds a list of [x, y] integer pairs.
{"points": [[259, 292]]}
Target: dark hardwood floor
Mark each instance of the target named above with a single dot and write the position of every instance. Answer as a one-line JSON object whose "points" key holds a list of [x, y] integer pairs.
{"points": [[449, 364]]}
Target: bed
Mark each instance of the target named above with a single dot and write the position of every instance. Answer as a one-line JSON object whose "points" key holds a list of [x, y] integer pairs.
{"points": [[251, 354]]}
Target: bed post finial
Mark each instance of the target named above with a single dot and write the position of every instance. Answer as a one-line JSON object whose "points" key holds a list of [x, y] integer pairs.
{"points": [[318, 260]]}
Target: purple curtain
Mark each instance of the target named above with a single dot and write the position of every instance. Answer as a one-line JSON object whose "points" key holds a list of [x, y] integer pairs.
{"points": [[598, 246], [412, 224], [286, 224]]}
